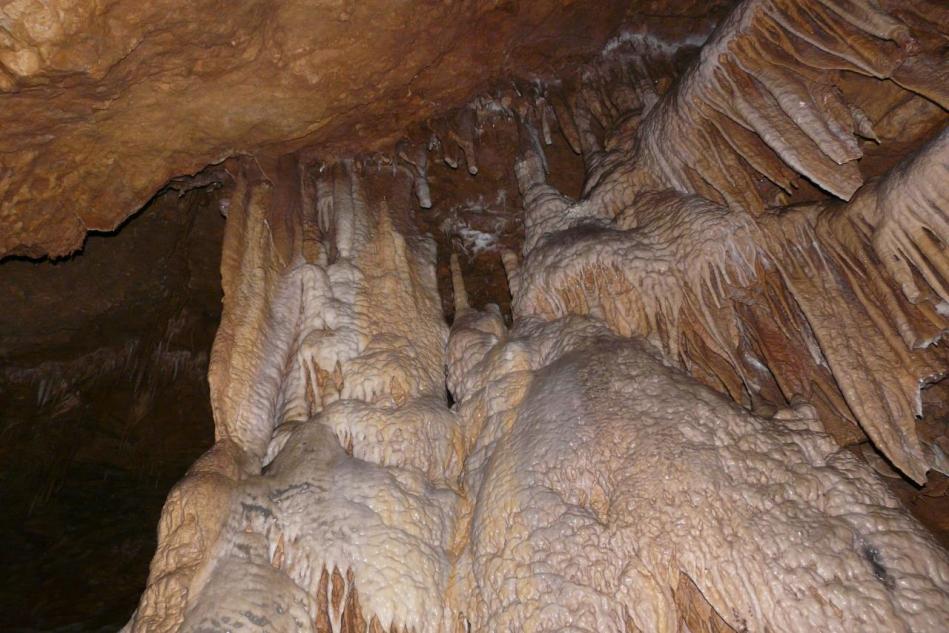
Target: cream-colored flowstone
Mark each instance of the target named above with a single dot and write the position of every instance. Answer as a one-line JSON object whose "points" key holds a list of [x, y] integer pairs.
{"points": [[328, 376], [599, 474]]}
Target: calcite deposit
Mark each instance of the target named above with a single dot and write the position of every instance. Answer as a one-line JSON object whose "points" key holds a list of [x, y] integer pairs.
{"points": [[601, 479], [658, 432]]}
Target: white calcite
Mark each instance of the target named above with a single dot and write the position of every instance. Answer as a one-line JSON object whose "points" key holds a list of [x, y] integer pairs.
{"points": [[599, 475], [646, 449]]}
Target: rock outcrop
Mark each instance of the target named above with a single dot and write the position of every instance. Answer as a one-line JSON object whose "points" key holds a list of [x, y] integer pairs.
{"points": [[102, 103]]}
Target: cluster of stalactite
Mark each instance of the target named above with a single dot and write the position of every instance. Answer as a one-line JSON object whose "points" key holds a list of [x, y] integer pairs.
{"points": [[331, 314], [596, 471], [840, 304], [819, 302]]}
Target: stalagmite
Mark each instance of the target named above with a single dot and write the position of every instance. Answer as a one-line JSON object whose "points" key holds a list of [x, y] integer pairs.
{"points": [[342, 419], [657, 442]]}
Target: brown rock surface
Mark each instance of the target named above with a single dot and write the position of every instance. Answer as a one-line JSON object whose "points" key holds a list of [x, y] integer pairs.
{"points": [[764, 204], [103, 102], [103, 406]]}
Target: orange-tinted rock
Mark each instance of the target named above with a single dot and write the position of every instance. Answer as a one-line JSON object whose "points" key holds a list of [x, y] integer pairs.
{"points": [[100, 104]]}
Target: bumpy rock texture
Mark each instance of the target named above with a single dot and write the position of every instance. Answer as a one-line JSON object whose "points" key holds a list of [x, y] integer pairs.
{"points": [[586, 479], [603, 480], [840, 304], [103, 102], [652, 436]]}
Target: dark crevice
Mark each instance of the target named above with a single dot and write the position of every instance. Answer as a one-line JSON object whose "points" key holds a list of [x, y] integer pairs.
{"points": [[103, 407]]}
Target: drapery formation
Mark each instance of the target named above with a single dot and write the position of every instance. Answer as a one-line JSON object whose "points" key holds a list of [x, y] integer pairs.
{"points": [[645, 448], [841, 304], [331, 314]]}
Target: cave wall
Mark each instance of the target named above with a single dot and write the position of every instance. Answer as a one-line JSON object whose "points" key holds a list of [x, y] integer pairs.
{"points": [[103, 406], [195, 84], [655, 443]]}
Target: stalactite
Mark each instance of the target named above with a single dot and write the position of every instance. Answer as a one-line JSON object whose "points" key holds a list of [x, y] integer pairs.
{"points": [[878, 345], [465, 135], [690, 276], [761, 101], [703, 281], [327, 369], [644, 449], [417, 159]]}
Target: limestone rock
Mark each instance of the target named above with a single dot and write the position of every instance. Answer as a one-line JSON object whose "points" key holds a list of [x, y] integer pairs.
{"points": [[101, 103]]}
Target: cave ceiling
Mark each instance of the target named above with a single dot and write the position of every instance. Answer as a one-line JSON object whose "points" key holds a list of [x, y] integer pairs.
{"points": [[101, 103]]}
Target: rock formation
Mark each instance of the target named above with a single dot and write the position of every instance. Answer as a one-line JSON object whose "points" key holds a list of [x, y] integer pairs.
{"points": [[654, 439]]}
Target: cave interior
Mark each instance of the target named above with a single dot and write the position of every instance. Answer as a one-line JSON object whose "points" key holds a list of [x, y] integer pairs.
{"points": [[474, 316]]}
